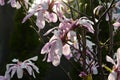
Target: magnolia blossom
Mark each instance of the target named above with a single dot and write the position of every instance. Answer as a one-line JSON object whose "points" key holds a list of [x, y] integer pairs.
{"points": [[115, 74], [53, 49], [2, 2], [47, 10], [20, 66]]}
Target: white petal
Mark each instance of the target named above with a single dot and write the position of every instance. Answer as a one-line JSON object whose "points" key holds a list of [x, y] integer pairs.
{"points": [[29, 69], [34, 58], [34, 67], [118, 56], [15, 60], [112, 76], [109, 59], [56, 61], [19, 72], [13, 72]]}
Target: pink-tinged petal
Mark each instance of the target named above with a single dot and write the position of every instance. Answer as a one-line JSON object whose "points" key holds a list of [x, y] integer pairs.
{"points": [[52, 17], [28, 16], [40, 21], [3, 78], [112, 76], [66, 50], [89, 27], [109, 59], [51, 52], [45, 49], [116, 25], [13, 3], [7, 75], [2, 2], [56, 60], [19, 72], [85, 22]]}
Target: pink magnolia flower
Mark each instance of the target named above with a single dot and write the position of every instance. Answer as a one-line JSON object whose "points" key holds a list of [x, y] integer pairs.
{"points": [[53, 49], [2, 2], [47, 10], [20, 66], [115, 74]]}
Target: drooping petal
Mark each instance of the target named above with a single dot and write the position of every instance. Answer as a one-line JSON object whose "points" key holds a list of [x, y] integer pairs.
{"points": [[56, 60], [29, 69], [13, 71], [112, 76], [85, 22], [19, 72], [66, 50], [118, 56], [28, 16], [34, 67], [40, 21], [45, 48], [109, 59]]}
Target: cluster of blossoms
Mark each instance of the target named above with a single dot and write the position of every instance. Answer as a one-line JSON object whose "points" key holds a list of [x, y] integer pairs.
{"points": [[65, 40]]}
